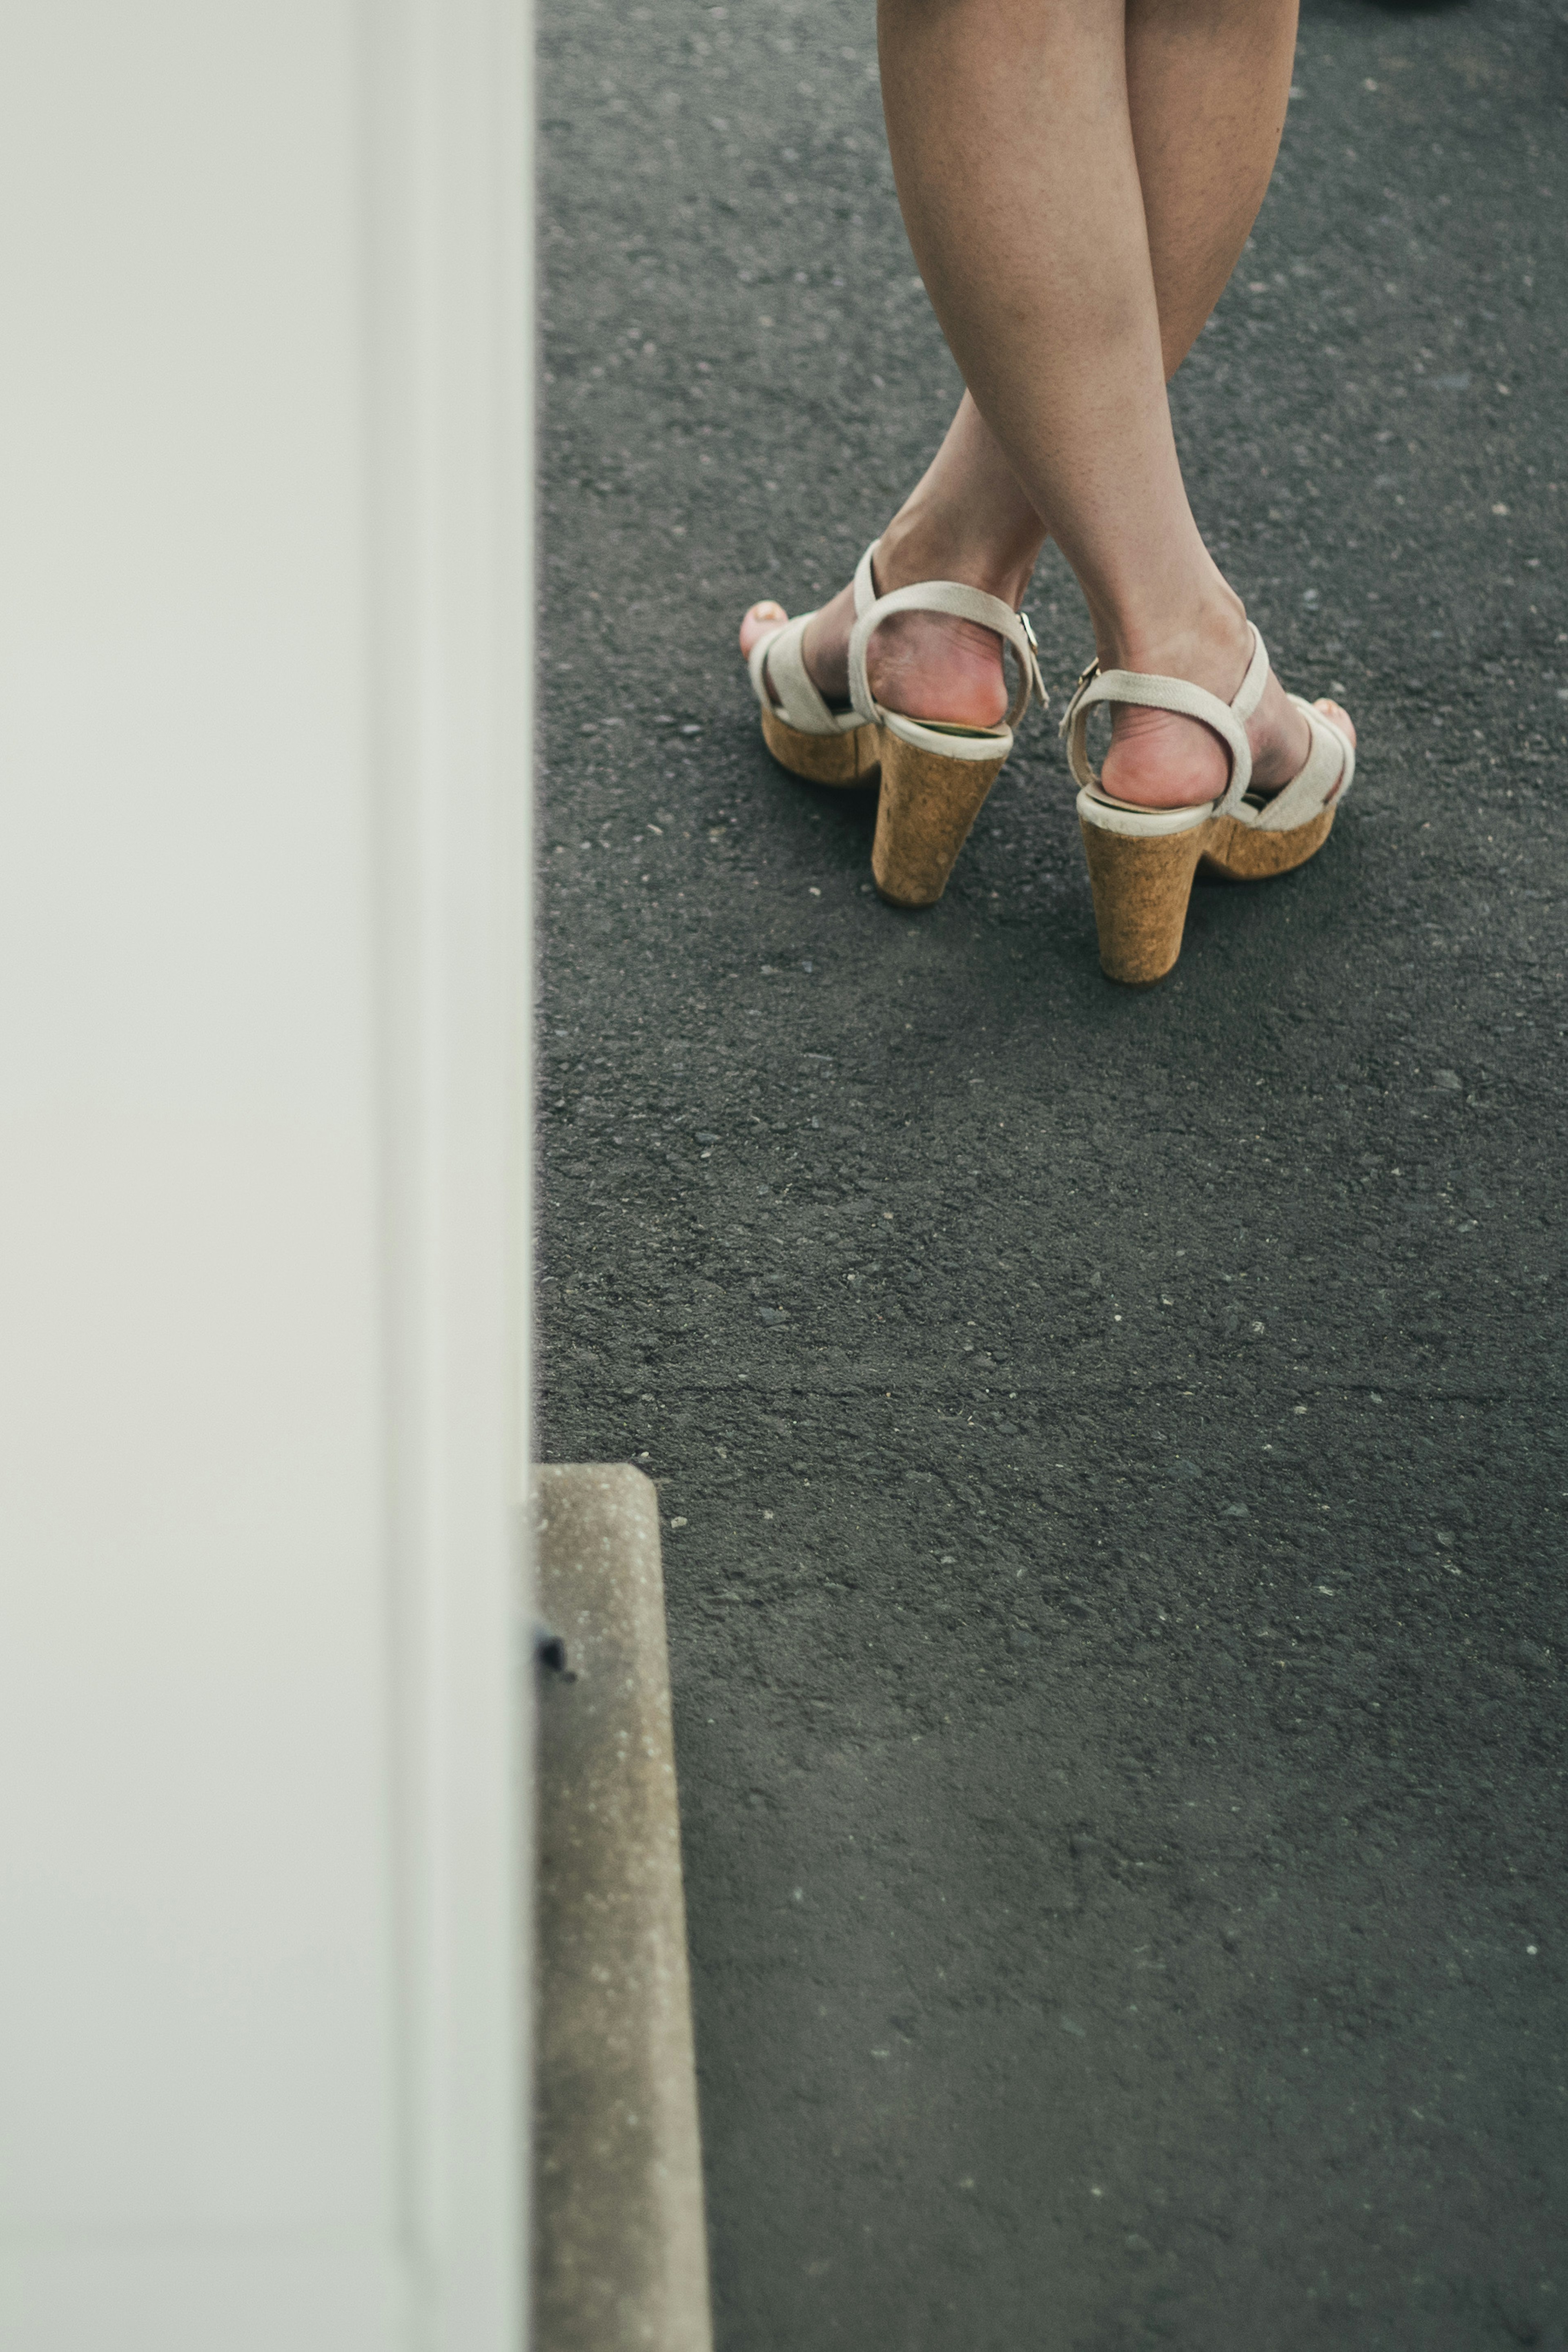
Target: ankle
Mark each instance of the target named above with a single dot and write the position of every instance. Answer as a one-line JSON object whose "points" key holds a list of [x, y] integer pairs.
{"points": [[1210, 644], [923, 543]]}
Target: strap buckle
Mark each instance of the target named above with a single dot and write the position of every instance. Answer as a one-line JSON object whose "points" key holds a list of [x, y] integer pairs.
{"points": [[1036, 680], [1085, 677]]}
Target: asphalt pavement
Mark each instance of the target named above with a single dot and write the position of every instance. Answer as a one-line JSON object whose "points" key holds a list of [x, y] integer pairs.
{"points": [[1110, 1446]]}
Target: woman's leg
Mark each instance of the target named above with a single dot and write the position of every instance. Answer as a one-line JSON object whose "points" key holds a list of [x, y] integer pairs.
{"points": [[1011, 126], [1205, 132], [1079, 195]]}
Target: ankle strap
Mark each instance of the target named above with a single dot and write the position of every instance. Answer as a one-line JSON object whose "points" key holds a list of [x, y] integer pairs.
{"points": [[1187, 701], [950, 596]]}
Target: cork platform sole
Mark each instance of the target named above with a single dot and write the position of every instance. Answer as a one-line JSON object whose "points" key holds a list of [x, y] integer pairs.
{"points": [[1142, 883], [1245, 853], [853, 758]]}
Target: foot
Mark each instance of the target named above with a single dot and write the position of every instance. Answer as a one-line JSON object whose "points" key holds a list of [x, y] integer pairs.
{"points": [[926, 665], [1159, 760]]}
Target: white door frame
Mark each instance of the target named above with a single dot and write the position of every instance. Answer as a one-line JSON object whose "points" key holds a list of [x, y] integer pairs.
{"points": [[265, 653], [451, 355]]}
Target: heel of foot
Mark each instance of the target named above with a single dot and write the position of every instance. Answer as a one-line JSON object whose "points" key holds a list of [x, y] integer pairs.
{"points": [[1162, 759]]}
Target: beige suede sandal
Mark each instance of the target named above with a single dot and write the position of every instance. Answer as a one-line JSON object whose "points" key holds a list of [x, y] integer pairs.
{"points": [[935, 777], [1142, 860]]}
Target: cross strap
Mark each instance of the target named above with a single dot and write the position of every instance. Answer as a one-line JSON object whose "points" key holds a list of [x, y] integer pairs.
{"points": [[1187, 701], [1328, 775], [952, 597], [777, 660]]}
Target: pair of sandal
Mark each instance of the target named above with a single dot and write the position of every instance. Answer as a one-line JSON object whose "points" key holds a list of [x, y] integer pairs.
{"points": [[935, 778]]}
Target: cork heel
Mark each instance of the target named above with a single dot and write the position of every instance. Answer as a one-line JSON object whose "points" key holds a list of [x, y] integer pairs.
{"points": [[928, 805], [850, 759], [1141, 884]]}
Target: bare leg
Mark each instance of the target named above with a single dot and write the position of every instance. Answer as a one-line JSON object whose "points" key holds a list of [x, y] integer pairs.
{"points": [[1011, 127], [1079, 178]]}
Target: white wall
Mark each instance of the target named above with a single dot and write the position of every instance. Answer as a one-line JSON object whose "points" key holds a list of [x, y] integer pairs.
{"points": [[263, 725]]}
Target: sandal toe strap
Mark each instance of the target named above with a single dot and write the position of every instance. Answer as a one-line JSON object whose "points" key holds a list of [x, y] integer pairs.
{"points": [[1327, 776], [777, 660]]}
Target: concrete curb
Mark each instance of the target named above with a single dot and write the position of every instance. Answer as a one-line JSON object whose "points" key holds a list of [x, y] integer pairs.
{"points": [[620, 2252]]}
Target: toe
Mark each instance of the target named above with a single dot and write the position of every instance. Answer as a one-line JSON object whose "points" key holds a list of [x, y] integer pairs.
{"points": [[1337, 716], [765, 616]]}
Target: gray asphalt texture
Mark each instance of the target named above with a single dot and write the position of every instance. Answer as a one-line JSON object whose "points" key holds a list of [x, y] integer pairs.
{"points": [[1110, 1445]]}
